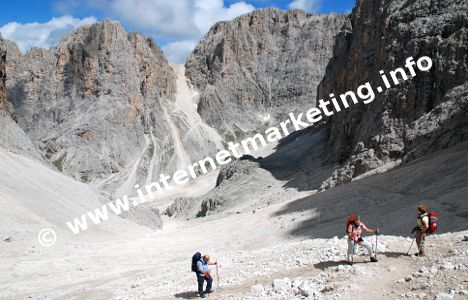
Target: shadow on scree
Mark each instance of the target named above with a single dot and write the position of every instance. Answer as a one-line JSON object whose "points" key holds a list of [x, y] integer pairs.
{"points": [[187, 295]]}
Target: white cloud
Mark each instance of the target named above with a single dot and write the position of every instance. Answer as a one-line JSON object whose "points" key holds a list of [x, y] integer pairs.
{"points": [[42, 35], [167, 19], [68, 7], [178, 52], [184, 20], [306, 5], [208, 12], [181, 21]]}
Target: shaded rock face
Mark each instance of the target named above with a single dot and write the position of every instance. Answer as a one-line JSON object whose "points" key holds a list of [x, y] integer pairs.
{"points": [[102, 106], [12, 137], [419, 116], [3, 102], [254, 70], [235, 185]]}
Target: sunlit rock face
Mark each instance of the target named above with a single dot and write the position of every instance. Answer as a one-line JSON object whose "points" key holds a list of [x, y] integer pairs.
{"points": [[103, 107], [252, 71]]}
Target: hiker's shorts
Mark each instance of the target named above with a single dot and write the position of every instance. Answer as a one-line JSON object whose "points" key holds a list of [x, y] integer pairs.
{"points": [[362, 244]]}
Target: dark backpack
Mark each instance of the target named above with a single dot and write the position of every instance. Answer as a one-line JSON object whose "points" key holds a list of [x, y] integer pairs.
{"points": [[195, 259]]}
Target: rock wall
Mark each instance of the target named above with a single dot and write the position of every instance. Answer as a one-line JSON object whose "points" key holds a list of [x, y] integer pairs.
{"points": [[12, 137], [102, 107], [254, 70], [419, 116], [3, 103]]}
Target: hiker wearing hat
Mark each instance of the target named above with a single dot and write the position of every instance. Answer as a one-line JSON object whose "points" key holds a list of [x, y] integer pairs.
{"points": [[422, 226], [354, 229], [203, 273]]}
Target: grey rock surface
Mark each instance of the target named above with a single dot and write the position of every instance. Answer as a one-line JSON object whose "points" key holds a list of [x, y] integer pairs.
{"points": [[241, 182], [4, 106], [103, 107], [424, 114], [32, 186], [12, 137], [254, 70]]}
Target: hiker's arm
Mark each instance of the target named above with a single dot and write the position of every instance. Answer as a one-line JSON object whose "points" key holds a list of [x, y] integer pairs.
{"points": [[213, 263], [350, 231], [364, 227]]}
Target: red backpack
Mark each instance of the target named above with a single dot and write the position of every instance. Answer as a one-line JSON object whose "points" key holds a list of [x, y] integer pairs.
{"points": [[433, 220]]}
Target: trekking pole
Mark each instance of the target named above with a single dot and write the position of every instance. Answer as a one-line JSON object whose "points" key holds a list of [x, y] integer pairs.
{"points": [[375, 254], [217, 277], [352, 256], [407, 253]]}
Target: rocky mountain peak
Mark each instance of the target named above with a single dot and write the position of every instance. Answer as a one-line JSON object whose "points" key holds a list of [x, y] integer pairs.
{"points": [[101, 106], [252, 70]]}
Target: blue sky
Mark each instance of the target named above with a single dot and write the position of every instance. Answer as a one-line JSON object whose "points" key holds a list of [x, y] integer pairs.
{"points": [[177, 25]]}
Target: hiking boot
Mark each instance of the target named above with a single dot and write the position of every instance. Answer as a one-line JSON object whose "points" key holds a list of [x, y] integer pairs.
{"points": [[419, 254], [209, 291], [373, 259], [202, 296]]}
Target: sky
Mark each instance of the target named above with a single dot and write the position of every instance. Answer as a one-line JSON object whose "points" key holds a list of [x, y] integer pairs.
{"points": [[176, 25]]}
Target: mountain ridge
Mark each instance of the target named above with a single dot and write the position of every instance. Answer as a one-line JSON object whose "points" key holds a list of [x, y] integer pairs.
{"points": [[101, 106]]}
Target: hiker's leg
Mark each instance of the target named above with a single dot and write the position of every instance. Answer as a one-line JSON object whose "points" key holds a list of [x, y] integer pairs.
{"points": [[368, 247], [209, 282], [422, 244], [201, 280], [350, 249], [418, 239]]}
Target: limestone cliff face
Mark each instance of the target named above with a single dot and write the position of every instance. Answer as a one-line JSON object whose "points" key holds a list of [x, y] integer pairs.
{"points": [[12, 137], [102, 106], [4, 105], [426, 113], [255, 69], [422, 115]]}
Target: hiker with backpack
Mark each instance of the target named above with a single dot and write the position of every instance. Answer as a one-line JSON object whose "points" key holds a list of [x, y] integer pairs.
{"points": [[354, 229], [425, 224], [200, 267]]}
